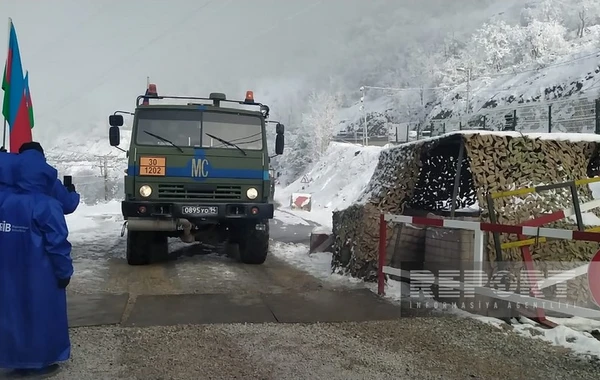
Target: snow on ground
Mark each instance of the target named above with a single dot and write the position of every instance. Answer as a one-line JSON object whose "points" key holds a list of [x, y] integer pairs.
{"points": [[289, 219], [92, 221], [104, 220], [335, 182], [572, 333]]}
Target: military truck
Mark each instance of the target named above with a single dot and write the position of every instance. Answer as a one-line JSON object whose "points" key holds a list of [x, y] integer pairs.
{"points": [[198, 170]]}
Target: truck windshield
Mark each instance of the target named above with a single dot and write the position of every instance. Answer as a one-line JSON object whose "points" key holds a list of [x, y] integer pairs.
{"points": [[242, 130], [185, 128]]}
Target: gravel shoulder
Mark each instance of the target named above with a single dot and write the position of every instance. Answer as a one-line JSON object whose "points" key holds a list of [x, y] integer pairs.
{"points": [[412, 348], [419, 347]]}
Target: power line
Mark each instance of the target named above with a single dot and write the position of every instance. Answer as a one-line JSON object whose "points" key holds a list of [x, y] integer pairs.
{"points": [[63, 37], [94, 85], [88, 89], [546, 66]]}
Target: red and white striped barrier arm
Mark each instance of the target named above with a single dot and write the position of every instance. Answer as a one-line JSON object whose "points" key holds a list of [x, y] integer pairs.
{"points": [[566, 212], [500, 228]]}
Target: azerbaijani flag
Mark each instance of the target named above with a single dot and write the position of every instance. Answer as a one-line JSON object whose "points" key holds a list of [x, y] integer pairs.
{"points": [[20, 131], [13, 82], [28, 101]]}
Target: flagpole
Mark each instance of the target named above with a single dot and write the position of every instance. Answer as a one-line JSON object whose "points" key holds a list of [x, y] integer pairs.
{"points": [[7, 47]]}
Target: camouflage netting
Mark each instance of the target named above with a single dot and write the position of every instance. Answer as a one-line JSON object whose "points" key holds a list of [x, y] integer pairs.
{"points": [[420, 176]]}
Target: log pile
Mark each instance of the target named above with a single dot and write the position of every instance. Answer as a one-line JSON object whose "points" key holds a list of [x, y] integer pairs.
{"points": [[421, 175]]}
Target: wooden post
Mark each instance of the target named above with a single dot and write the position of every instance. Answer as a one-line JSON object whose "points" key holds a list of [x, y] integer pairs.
{"points": [[461, 154]]}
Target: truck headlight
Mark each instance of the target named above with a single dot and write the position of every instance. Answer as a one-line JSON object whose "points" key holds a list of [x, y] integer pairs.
{"points": [[145, 191], [252, 193]]}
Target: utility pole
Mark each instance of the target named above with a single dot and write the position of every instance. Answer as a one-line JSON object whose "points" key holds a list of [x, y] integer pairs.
{"points": [[468, 72], [105, 175], [362, 108], [468, 90]]}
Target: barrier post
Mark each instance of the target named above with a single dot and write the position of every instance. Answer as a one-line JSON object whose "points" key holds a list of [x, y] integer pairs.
{"points": [[382, 255]]}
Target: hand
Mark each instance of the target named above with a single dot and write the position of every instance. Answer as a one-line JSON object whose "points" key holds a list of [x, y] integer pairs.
{"points": [[70, 188], [63, 283]]}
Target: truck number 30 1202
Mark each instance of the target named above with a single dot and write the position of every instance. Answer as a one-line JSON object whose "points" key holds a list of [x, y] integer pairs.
{"points": [[155, 166]]}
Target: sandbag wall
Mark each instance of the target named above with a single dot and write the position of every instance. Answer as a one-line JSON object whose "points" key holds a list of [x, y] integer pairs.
{"points": [[420, 176]]}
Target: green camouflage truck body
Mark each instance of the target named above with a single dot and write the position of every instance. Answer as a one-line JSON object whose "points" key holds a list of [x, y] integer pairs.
{"points": [[216, 177]]}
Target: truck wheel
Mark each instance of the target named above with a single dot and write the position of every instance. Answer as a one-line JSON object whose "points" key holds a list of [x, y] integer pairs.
{"points": [[138, 252], [253, 244], [143, 246]]}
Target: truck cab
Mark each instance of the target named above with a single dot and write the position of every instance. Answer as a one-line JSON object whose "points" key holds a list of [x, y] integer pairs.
{"points": [[198, 171]]}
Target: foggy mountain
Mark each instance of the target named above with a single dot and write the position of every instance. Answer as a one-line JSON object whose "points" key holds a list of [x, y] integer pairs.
{"points": [[305, 59]]}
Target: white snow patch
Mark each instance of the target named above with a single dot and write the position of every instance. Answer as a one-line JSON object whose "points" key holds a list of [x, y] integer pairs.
{"points": [[573, 333], [322, 230], [89, 222], [316, 264], [289, 219], [334, 182]]}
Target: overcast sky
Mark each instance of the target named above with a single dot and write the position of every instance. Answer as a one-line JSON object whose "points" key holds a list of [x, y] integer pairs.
{"points": [[89, 57]]}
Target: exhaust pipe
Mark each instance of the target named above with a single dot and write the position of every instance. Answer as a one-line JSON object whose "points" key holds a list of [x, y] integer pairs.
{"points": [[187, 236], [138, 224]]}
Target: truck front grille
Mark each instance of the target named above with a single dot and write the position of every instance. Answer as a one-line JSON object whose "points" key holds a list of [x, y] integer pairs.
{"points": [[206, 192]]}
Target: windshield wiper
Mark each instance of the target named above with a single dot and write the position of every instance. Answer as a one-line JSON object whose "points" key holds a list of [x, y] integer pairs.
{"points": [[165, 140], [226, 142]]}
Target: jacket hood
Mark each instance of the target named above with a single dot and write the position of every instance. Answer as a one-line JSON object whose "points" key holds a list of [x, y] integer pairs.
{"points": [[7, 164], [32, 174]]}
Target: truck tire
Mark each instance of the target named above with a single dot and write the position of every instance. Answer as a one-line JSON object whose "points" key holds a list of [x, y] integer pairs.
{"points": [[253, 244], [143, 246]]}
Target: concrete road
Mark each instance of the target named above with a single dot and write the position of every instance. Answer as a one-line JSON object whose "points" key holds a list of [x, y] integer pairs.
{"points": [[205, 284], [203, 315]]}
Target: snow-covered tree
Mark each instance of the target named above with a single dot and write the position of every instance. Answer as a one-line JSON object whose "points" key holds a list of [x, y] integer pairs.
{"points": [[544, 10], [545, 40], [495, 45], [320, 120]]}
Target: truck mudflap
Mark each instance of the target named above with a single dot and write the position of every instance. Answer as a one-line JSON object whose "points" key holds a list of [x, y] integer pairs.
{"points": [[214, 211]]}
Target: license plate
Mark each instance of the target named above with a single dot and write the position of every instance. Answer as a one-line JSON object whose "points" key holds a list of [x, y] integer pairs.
{"points": [[200, 210]]}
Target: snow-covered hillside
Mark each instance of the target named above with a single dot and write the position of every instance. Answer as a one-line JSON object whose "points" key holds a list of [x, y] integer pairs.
{"points": [[570, 85], [536, 54], [85, 155], [335, 181]]}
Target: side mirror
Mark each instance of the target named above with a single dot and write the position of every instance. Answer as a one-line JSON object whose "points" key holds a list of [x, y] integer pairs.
{"points": [[115, 120], [279, 143], [279, 128], [114, 136]]}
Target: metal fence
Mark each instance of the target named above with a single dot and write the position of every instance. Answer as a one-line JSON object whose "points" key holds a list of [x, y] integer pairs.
{"points": [[565, 115]]}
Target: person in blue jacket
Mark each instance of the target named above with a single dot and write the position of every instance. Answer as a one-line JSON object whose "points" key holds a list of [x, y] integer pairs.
{"points": [[35, 270], [6, 164], [67, 196]]}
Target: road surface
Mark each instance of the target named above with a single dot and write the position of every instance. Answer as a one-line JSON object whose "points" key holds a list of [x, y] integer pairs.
{"points": [[202, 315]]}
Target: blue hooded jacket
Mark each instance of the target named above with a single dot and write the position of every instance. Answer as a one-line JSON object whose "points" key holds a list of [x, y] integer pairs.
{"points": [[34, 255], [7, 162], [69, 201]]}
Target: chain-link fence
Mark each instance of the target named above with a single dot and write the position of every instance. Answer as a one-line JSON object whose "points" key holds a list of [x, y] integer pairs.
{"points": [[96, 177], [565, 116], [561, 116]]}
